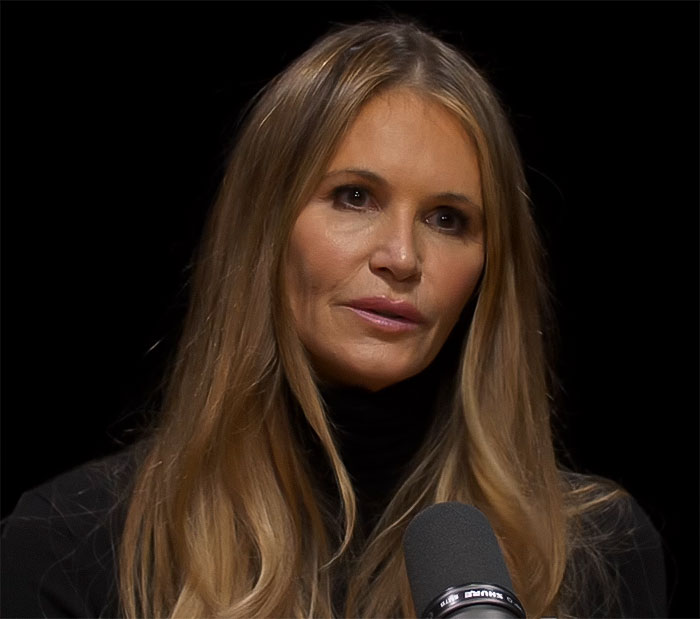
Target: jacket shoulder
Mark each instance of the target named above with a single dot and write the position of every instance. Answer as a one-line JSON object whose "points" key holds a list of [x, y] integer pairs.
{"points": [[59, 543], [613, 541]]}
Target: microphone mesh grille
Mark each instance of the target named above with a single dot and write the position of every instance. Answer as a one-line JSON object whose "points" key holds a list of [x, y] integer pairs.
{"points": [[449, 545]]}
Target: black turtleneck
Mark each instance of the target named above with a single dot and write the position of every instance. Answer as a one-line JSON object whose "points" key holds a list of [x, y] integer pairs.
{"points": [[378, 433]]}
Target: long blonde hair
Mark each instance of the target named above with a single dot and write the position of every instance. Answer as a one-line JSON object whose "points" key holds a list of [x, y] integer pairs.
{"points": [[225, 515]]}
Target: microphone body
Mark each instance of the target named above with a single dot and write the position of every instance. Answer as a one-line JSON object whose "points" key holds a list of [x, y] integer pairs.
{"points": [[482, 611], [455, 566]]}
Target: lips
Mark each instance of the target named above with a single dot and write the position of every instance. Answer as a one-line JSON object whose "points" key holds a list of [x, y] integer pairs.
{"points": [[400, 311]]}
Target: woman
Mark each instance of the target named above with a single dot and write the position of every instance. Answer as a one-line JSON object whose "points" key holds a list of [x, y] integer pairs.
{"points": [[365, 339]]}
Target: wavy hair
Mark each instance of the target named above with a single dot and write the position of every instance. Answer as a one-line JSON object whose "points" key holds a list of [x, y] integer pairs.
{"points": [[226, 517]]}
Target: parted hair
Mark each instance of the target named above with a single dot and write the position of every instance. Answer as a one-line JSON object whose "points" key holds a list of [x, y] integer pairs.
{"points": [[226, 517]]}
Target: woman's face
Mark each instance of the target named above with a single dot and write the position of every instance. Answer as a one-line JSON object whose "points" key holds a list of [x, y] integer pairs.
{"points": [[389, 249]]}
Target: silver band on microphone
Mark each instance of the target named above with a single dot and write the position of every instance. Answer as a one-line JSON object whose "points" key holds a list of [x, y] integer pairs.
{"points": [[456, 598]]}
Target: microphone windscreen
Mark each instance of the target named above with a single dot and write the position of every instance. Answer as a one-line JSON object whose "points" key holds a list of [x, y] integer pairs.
{"points": [[450, 545]]}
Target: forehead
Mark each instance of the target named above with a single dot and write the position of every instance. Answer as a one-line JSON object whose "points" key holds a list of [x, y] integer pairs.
{"points": [[406, 136]]}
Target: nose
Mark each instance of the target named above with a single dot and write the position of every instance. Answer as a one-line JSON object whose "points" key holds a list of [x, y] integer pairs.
{"points": [[394, 249]]}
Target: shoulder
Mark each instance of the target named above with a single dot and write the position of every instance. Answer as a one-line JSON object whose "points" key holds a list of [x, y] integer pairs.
{"points": [[601, 509], [59, 543], [88, 489], [613, 541]]}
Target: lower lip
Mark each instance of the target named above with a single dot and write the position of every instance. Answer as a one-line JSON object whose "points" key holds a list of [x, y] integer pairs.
{"points": [[384, 323]]}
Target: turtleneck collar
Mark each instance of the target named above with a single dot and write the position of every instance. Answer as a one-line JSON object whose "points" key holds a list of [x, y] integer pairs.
{"points": [[378, 433]]}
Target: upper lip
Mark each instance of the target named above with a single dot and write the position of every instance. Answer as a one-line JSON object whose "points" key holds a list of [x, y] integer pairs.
{"points": [[383, 305]]}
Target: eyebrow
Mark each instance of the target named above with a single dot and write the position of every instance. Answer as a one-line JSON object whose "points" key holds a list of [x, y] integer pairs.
{"points": [[375, 178]]}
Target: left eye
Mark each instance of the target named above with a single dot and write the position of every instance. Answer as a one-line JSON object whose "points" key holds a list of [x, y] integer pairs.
{"points": [[449, 220]]}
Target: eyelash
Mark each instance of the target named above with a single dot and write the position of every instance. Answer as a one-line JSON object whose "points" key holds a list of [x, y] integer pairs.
{"points": [[338, 191], [461, 223]]}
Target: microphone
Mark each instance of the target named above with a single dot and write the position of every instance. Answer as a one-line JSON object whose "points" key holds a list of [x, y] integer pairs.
{"points": [[455, 566]]}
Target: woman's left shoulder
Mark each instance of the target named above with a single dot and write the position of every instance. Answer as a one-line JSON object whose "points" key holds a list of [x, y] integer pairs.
{"points": [[611, 519], [608, 509]]}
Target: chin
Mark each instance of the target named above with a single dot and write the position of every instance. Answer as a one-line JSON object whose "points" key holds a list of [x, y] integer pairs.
{"points": [[373, 380], [369, 369]]}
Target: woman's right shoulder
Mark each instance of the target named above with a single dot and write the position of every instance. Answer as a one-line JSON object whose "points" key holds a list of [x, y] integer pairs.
{"points": [[59, 543], [95, 487]]}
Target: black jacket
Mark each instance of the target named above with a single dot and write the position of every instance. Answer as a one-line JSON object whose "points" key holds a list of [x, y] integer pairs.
{"points": [[59, 549]]}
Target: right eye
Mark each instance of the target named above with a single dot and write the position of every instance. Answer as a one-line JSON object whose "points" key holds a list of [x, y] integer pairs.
{"points": [[351, 197]]}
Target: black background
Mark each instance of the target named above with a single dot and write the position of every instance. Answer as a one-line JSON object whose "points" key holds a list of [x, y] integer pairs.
{"points": [[116, 118]]}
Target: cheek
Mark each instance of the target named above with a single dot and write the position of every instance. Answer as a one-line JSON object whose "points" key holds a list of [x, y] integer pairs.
{"points": [[455, 281], [301, 279], [315, 262], [306, 252]]}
